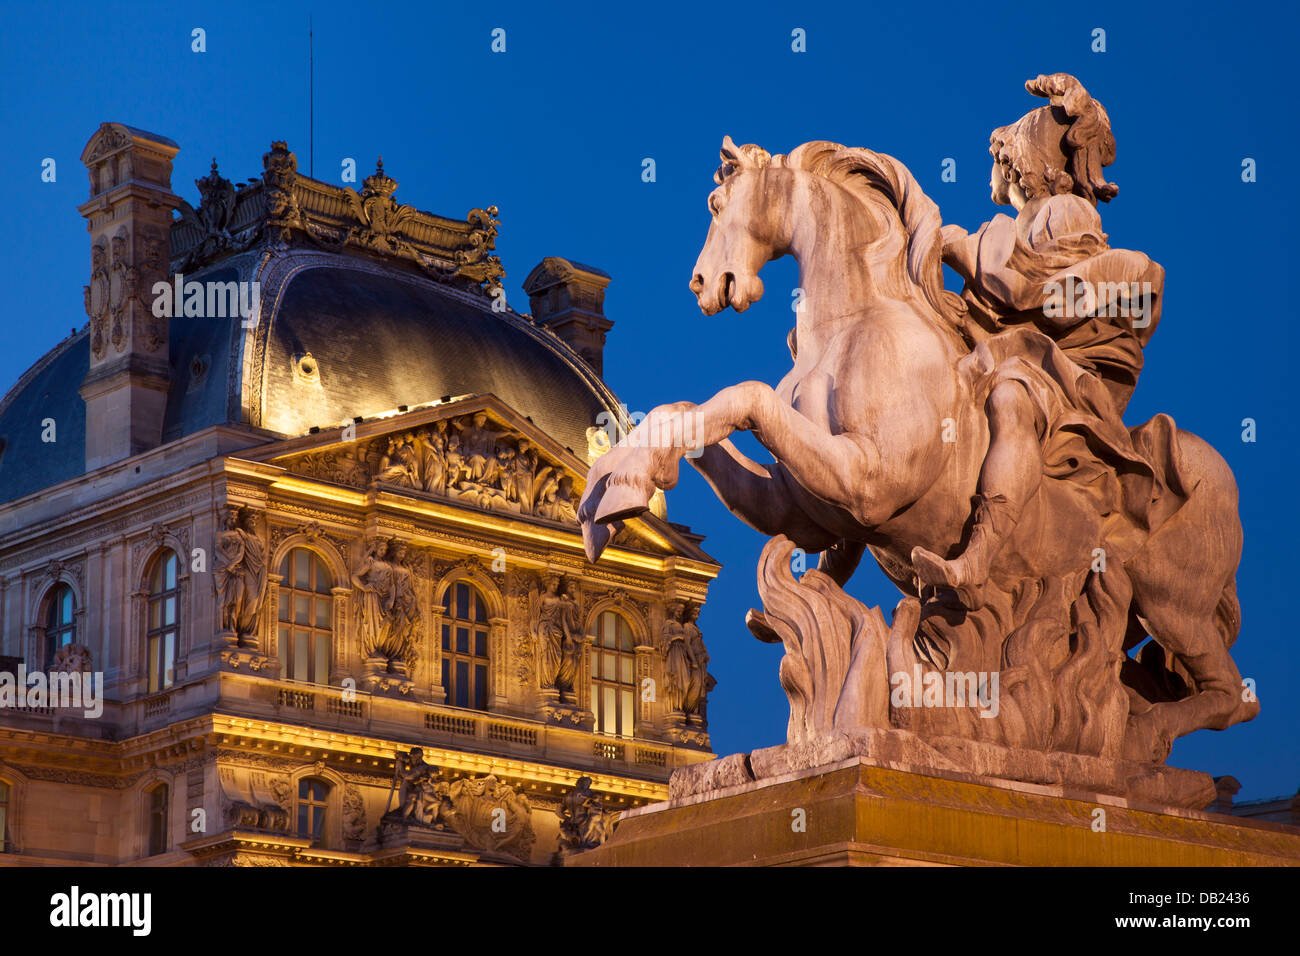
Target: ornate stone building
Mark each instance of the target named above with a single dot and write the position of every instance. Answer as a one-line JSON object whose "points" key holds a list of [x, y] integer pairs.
{"points": [[302, 491]]}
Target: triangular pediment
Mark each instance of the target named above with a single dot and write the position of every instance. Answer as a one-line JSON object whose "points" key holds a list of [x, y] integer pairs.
{"points": [[474, 452]]}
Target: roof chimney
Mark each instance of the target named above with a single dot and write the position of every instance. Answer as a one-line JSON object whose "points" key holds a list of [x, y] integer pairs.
{"points": [[569, 299], [129, 217]]}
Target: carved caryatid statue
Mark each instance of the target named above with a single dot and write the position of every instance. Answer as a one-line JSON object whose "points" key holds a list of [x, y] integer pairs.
{"points": [[677, 657], [700, 681], [556, 623], [240, 576], [904, 398], [584, 822], [390, 611]]}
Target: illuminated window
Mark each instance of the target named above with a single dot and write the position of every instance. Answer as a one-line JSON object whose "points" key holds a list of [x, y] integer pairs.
{"points": [[4, 816], [306, 606], [164, 621], [60, 622], [157, 819], [313, 795], [613, 686], [465, 646]]}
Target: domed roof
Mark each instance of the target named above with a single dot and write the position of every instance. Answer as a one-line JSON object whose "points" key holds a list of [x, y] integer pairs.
{"points": [[347, 338], [353, 322]]}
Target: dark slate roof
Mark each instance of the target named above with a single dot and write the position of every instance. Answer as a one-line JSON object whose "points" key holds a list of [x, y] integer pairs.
{"points": [[47, 390], [201, 350], [381, 342], [381, 339]]}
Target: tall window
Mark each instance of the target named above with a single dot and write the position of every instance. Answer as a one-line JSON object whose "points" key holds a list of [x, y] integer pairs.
{"points": [[313, 795], [306, 606], [157, 819], [465, 646], [4, 816], [60, 622], [164, 621], [613, 684]]}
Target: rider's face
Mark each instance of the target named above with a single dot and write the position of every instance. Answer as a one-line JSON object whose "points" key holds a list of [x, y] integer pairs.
{"points": [[999, 184]]}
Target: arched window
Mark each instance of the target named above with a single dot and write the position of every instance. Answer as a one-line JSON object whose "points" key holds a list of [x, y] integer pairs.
{"points": [[156, 820], [164, 620], [313, 796], [465, 646], [613, 681], [306, 627], [60, 622], [4, 816]]}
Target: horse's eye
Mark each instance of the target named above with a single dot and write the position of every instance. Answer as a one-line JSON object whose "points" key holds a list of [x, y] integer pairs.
{"points": [[715, 203]]}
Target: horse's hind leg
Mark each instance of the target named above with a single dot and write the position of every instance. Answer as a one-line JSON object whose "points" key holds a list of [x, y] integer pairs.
{"points": [[1193, 617]]}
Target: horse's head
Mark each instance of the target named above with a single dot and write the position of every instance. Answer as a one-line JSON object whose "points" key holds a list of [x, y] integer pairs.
{"points": [[747, 231]]}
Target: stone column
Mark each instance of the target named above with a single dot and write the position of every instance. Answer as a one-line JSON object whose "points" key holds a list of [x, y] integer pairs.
{"points": [[271, 646], [437, 692], [344, 638], [498, 667], [645, 709]]}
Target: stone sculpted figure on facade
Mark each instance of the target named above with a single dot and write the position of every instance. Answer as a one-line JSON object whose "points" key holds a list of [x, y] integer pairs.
{"points": [[677, 656], [557, 625], [240, 576], [584, 822], [422, 795], [700, 682], [390, 612]]}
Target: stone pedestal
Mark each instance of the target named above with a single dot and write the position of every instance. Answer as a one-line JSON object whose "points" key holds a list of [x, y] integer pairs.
{"points": [[563, 712], [856, 813]]}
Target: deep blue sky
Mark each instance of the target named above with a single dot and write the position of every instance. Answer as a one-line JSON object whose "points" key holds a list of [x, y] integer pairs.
{"points": [[554, 132]]}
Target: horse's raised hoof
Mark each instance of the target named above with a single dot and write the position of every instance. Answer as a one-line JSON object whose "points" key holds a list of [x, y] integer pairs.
{"points": [[624, 498], [594, 539]]}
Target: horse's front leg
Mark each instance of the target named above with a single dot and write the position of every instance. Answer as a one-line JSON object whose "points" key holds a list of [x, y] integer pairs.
{"points": [[835, 468]]}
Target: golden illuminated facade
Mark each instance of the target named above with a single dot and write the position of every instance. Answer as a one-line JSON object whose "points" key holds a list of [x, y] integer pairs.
{"points": [[321, 514]]}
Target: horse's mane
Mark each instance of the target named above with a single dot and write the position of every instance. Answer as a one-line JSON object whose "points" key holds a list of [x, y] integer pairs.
{"points": [[870, 176]]}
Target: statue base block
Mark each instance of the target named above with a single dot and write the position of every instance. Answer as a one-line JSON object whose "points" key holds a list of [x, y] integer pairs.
{"points": [[903, 750], [856, 813]]}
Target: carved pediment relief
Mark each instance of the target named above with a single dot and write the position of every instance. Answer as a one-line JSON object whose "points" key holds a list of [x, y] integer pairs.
{"points": [[473, 459]]}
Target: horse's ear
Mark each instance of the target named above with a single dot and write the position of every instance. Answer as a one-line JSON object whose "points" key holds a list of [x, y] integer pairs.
{"points": [[739, 157], [730, 157]]}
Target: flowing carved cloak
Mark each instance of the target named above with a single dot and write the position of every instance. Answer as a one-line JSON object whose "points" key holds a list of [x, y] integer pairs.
{"points": [[1078, 371]]}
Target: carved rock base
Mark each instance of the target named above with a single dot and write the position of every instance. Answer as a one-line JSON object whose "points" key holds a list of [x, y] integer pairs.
{"points": [[1150, 784], [857, 814]]}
